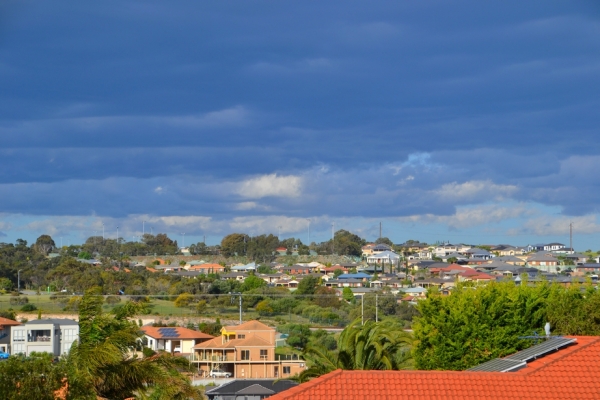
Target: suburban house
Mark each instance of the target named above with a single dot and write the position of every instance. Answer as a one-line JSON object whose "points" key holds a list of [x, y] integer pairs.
{"points": [[514, 260], [173, 339], [385, 257], [246, 351], [588, 267], [342, 283], [298, 270], [5, 328], [208, 268], [556, 369], [249, 389], [54, 336], [543, 261], [245, 268], [478, 254]]}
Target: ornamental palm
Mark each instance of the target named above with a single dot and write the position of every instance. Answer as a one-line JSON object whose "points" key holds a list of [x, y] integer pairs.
{"points": [[372, 346], [101, 364]]}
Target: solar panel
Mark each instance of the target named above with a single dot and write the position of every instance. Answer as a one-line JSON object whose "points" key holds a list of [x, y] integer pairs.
{"points": [[168, 332], [519, 360], [499, 365], [548, 346]]}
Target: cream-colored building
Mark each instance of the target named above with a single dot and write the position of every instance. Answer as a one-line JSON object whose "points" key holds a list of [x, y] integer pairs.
{"points": [[173, 339]]}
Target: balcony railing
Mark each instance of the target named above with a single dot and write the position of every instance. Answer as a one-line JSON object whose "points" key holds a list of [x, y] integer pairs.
{"points": [[214, 358]]}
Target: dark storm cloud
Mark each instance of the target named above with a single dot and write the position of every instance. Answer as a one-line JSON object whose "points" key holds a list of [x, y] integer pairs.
{"points": [[122, 108]]}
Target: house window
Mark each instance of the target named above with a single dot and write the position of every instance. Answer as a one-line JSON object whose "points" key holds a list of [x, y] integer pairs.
{"points": [[69, 335], [287, 370], [264, 354], [245, 354], [241, 336], [19, 335]]}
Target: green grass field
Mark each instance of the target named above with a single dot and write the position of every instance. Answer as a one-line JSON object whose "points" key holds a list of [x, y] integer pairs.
{"points": [[159, 308]]}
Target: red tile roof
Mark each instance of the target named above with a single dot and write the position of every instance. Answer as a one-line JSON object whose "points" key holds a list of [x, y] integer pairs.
{"points": [[570, 373], [8, 322]]}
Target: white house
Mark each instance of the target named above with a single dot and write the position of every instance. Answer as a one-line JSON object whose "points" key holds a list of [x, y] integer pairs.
{"points": [[54, 336], [173, 339], [386, 257]]}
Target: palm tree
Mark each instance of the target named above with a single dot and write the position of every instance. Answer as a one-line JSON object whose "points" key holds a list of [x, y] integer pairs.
{"points": [[372, 346], [101, 364]]}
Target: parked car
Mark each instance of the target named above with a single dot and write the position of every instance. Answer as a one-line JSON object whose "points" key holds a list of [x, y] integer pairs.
{"points": [[219, 373], [3, 355]]}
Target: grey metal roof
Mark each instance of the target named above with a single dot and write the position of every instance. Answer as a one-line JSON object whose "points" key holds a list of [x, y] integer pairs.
{"points": [[244, 387], [58, 321]]}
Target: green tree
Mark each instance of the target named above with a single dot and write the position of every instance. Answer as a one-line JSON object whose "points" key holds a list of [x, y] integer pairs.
{"points": [[101, 364], [326, 297], [474, 325], [372, 346], [384, 240], [252, 282], [33, 377], [44, 244], [234, 244], [184, 300], [264, 307], [307, 286], [6, 284], [347, 294]]}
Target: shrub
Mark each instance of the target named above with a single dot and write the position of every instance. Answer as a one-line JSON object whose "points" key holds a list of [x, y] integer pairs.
{"points": [[148, 352], [112, 300], [29, 307], [18, 301]]}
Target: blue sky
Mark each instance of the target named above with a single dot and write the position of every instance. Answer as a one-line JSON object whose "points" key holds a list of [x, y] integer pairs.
{"points": [[456, 120]]}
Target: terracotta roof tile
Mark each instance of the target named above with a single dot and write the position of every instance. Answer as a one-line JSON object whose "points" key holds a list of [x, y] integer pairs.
{"points": [[249, 326], [8, 322], [570, 373]]}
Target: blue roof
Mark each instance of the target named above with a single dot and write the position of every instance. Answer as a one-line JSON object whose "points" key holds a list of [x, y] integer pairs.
{"points": [[359, 275]]}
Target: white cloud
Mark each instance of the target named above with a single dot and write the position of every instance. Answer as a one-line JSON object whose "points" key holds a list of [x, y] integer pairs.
{"points": [[558, 225], [475, 191], [271, 185], [159, 190], [467, 217]]}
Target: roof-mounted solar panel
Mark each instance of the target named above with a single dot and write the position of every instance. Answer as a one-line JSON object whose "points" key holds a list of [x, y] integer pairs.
{"points": [[499, 365], [538, 350]]}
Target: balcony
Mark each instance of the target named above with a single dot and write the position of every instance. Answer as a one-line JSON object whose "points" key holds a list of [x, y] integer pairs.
{"points": [[213, 358]]}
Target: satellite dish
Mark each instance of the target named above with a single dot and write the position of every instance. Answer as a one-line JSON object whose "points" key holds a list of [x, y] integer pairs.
{"points": [[547, 329]]}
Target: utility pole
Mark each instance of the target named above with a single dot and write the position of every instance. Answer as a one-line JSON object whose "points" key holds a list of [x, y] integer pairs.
{"points": [[143, 228], [376, 304], [19, 281], [571, 236], [332, 238], [103, 231], [379, 229], [362, 309], [308, 242], [183, 233]]}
